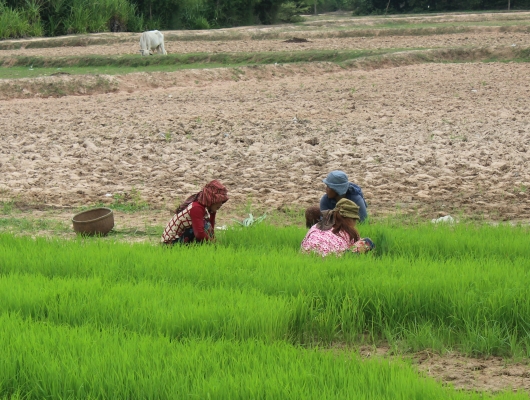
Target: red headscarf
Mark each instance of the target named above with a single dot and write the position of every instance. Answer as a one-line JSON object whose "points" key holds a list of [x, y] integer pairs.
{"points": [[213, 192]]}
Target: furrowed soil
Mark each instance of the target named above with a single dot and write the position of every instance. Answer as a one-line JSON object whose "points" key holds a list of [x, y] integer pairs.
{"points": [[421, 138]]}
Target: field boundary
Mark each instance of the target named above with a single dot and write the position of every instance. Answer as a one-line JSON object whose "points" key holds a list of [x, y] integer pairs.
{"points": [[306, 32], [65, 84]]}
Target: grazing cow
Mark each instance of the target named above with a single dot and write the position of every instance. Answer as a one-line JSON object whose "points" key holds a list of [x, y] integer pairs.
{"points": [[150, 41]]}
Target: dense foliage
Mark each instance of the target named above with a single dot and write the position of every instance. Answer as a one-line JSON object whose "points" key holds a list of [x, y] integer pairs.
{"points": [[23, 18], [59, 17]]}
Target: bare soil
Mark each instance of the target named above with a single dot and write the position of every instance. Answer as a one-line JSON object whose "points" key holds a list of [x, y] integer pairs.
{"points": [[431, 138], [492, 374], [423, 139], [129, 43]]}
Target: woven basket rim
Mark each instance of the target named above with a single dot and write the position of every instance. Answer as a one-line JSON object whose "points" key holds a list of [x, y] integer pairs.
{"points": [[95, 219]]}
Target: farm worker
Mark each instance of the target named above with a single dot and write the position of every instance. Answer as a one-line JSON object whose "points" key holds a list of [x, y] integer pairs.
{"points": [[336, 232], [194, 220], [337, 187]]}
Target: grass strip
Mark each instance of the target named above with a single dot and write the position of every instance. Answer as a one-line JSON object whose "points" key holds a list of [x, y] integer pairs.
{"points": [[33, 224], [461, 287], [40, 360], [347, 28], [28, 67], [196, 59], [175, 311]]}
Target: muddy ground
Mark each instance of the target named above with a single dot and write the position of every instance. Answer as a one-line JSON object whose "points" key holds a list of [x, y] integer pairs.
{"points": [[422, 139]]}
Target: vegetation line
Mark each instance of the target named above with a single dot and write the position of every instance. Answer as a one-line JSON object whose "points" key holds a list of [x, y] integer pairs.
{"points": [[95, 78], [390, 29], [279, 57], [179, 59]]}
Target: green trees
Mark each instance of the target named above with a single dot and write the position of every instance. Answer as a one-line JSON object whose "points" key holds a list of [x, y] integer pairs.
{"points": [[22, 18], [59, 17], [15, 23], [200, 14]]}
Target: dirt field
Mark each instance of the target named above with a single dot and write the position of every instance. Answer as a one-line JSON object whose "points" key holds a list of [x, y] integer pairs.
{"points": [[426, 139], [433, 138], [493, 374], [129, 44]]}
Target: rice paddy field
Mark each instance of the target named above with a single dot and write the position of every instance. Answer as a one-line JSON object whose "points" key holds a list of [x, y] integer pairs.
{"points": [[252, 317], [428, 113]]}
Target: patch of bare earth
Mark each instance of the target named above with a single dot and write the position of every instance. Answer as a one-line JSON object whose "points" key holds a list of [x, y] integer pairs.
{"points": [[492, 374], [174, 45], [432, 138]]}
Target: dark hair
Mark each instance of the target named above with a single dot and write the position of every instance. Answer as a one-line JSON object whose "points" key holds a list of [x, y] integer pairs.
{"points": [[347, 225], [312, 216]]}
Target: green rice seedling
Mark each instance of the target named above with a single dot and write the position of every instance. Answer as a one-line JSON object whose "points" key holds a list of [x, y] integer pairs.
{"points": [[454, 287], [43, 360], [259, 237], [450, 241], [250, 220], [174, 311]]}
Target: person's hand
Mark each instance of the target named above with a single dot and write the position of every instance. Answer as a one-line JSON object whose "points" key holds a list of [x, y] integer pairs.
{"points": [[360, 247], [211, 233]]}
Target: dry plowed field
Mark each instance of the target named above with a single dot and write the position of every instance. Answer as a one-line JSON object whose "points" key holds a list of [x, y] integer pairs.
{"points": [[427, 137]]}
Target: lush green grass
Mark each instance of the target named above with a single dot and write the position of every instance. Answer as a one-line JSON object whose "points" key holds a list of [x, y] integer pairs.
{"points": [[42, 360], [251, 312]]}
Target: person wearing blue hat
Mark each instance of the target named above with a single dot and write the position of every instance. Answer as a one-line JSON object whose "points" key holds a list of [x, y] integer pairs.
{"points": [[337, 187]]}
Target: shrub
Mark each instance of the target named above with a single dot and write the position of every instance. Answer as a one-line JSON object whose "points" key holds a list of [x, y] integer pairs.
{"points": [[201, 23], [290, 12], [78, 19], [87, 16], [20, 23]]}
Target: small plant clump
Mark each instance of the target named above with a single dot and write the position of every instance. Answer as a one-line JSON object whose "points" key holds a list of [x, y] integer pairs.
{"points": [[250, 220]]}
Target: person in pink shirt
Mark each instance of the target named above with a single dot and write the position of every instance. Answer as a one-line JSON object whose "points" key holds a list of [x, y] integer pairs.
{"points": [[336, 232], [194, 220]]}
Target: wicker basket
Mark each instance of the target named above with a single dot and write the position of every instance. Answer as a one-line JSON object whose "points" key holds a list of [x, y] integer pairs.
{"points": [[98, 221]]}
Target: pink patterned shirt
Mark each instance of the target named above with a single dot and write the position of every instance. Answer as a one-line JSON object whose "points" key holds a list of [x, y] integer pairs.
{"points": [[325, 242]]}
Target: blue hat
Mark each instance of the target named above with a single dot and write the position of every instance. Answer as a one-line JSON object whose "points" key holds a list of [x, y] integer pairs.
{"points": [[338, 181]]}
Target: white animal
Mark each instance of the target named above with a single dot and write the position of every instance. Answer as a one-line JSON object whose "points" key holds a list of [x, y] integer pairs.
{"points": [[447, 219], [150, 41]]}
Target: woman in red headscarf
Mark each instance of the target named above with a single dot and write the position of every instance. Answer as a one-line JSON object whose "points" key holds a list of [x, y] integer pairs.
{"points": [[194, 220]]}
